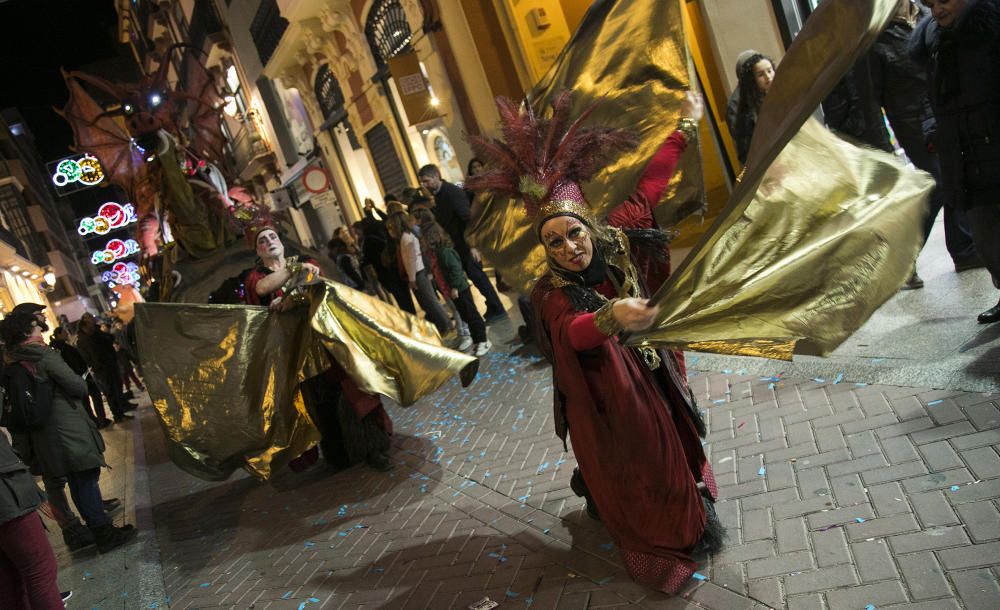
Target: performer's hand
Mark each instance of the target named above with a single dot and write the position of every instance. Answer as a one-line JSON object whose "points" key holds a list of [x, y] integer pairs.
{"points": [[277, 304], [693, 106], [476, 256], [634, 314], [454, 294], [311, 269]]}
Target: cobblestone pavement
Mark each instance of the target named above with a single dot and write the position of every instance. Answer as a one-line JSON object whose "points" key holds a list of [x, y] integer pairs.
{"points": [[836, 495]]}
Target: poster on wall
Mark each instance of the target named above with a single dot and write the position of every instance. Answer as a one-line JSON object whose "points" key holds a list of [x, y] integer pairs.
{"points": [[418, 103]]}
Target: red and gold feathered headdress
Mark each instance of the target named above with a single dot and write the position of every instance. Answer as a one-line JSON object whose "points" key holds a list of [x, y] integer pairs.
{"points": [[544, 161]]}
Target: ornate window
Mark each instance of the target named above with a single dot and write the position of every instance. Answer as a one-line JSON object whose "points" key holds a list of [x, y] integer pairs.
{"points": [[387, 30], [328, 92]]}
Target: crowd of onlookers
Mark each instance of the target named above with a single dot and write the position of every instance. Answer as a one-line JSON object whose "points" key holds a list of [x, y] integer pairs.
{"points": [[53, 409], [416, 249]]}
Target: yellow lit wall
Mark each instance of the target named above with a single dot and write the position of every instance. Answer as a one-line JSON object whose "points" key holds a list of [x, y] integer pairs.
{"points": [[541, 30]]}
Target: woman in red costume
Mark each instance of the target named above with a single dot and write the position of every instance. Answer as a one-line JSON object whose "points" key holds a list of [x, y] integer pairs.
{"points": [[634, 427], [358, 431]]}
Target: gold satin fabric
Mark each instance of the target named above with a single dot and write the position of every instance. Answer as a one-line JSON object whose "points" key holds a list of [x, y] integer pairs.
{"points": [[224, 379], [818, 232], [628, 59]]}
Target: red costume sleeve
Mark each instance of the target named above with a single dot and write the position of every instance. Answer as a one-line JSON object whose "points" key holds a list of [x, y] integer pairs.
{"points": [[637, 211], [584, 334], [250, 287]]}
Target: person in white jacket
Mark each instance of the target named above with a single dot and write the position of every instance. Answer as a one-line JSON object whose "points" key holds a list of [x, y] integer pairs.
{"points": [[412, 261]]}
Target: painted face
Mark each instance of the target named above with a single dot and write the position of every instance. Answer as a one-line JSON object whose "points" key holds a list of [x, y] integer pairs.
{"points": [[763, 74], [946, 12], [431, 183], [269, 244], [567, 242]]}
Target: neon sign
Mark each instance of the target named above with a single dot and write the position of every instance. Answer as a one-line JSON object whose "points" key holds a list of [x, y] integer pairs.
{"points": [[120, 274], [109, 216], [85, 169], [115, 250]]}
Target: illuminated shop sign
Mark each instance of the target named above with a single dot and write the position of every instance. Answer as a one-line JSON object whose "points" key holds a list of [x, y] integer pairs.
{"points": [[84, 169], [110, 216], [121, 274], [115, 250]]}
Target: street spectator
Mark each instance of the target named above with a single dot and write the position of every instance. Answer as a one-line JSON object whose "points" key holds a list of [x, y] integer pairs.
{"points": [[474, 167], [451, 279], [379, 253], [889, 81], [842, 111], [76, 361], [28, 567], [959, 44], [755, 78], [412, 263], [733, 104], [368, 273], [68, 444], [98, 349], [451, 208], [352, 432], [341, 253], [128, 360]]}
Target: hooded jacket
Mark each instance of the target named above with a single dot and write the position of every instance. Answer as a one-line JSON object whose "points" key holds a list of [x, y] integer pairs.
{"points": [[963, 68], [69, 441], [18, 493]]}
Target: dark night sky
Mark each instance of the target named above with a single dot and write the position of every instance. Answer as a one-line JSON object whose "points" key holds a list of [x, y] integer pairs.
{"points": [[37, 37]]}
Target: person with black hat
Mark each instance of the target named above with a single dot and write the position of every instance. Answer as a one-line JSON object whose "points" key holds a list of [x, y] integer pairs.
{"points": [[98, 348]]}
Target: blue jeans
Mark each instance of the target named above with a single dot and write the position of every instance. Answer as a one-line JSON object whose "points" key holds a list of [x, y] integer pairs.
{"points": [[86, 492]]}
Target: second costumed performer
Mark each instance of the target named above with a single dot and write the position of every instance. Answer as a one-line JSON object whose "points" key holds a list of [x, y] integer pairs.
{"points": [[354, 424], [633, 425]]}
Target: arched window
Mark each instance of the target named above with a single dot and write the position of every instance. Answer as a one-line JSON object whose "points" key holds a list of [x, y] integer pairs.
{"points": [[387, 30], [328, 92]]}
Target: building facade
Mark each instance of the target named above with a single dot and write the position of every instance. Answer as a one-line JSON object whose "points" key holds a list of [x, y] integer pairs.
{"points": [[39, 257]]}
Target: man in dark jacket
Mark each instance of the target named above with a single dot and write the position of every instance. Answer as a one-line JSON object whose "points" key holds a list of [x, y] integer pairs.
{"points": [[451, 208], [98, 349], [76, 361], [960, 47], [887, 79]]}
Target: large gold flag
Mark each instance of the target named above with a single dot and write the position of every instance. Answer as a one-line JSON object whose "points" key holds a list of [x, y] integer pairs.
{"points": [[818, 232]]}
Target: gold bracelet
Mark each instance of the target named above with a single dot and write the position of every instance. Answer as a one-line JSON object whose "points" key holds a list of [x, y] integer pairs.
{"points": [[605, 321], [688, 127]]}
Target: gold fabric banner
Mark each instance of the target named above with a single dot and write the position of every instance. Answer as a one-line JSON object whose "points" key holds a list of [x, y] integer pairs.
{"points": [[224, 379], [818, 233], [629, 60]]}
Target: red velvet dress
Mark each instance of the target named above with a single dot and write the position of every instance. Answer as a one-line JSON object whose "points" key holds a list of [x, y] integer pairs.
{"points": [[631, 427]]}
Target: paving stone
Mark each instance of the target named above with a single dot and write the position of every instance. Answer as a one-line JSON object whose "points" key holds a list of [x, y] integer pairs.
{"points": [[838, 516], [984, 416], [729, 575], [711, 595], [808, 601], [929, 539], [745, 552], [950, 431], [894, 473], [877, 594], [805, 507], [870, 462], [976, 491], [791, 535], [830, 547], [946, 412], [767, 590], [799, 434], [873, 560], [899, 449], [822, 579], [971, 441], [983, 462], [830, 438], [972, 556], [879, 528], [770, 498], [757, 525], [924, 576], [782, 564], [932, 508], [976, 588], [981, 519], [940, 456], [848, 490], [869, 423], [938, 604]]}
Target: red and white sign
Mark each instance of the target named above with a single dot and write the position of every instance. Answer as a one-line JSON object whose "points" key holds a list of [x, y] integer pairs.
{"points": [[109, 216], [315, 179]]}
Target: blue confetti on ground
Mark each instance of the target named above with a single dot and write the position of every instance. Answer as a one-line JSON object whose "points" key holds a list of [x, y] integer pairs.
{"points": [[819, 380], [205, 584], [840, 377], [859, 519], [870, 607], [699, 576], [954, 487], [934, 402], [287, 595], [762, 471]]}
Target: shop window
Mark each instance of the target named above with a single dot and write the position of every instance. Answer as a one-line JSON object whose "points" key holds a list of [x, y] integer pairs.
{"points": [[387, 30]]}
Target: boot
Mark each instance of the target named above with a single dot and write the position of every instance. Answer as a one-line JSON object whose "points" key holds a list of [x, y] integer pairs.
{"points": [[109, 537], [77, 537], [579, 487], [991, 315], [379, 461]]}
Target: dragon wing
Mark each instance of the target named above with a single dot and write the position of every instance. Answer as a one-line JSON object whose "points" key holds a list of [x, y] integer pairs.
{"points": [[199, 105], [101, 134]]}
